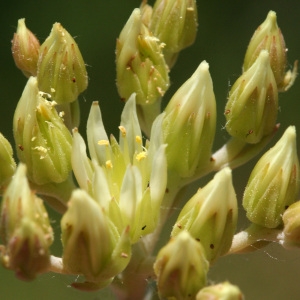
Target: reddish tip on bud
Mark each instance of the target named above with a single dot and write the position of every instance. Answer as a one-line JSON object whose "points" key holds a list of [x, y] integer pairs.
{"points": [[25, 49]]}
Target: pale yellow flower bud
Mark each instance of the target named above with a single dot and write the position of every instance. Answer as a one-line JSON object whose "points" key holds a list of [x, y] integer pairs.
{"points": [[268, 36], [181, 268], [43, 141], [210, 216], [25, 229], [189, 124], [252, 107], [61, 69], [274, 182]]}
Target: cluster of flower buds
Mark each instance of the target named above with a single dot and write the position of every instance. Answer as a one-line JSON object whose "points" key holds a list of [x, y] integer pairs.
{"points": [[41, 126], [123, 191], [147, 47], [252, 106], [57, 63]]}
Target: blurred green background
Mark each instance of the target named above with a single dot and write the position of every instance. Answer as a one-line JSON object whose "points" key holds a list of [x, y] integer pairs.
{"points": [[225, 28]]}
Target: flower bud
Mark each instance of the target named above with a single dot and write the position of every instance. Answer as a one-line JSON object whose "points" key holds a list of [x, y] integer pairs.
{"points": [[25, 49], [25, 229], [221, 291], [92, 244], [252, 107], [181, 268], [274, 182], [189, 124], [268, 37], [43, 141], [291, 226], [7, 163], [210, 216], [141, 67], [61, 69], [175, 24]]}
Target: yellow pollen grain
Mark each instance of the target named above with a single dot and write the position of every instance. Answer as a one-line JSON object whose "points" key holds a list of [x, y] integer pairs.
{"points": [[141, 156], [108, 164], [103, 143], [123, 131], [42, 150], [138, 139]]}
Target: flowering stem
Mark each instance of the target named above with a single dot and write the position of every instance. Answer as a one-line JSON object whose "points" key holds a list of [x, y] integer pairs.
{"points": [[237, 152], [133, 283], [254, 238], [56, 265], [233, 154]]}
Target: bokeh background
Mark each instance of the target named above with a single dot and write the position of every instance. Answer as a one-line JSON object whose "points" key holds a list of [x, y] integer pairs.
{"points": [[225, 28]]}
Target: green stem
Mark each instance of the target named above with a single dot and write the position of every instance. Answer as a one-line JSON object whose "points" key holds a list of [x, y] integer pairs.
{"points": [[147, 114], [133, 282], [254, 238], [233, 154]]}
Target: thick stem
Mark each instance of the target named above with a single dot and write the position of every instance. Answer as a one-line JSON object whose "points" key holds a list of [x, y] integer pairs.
{"points": [[132, 283]]}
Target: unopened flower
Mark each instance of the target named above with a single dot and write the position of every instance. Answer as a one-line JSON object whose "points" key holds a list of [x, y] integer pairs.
{"points": [[274, 182], [127, 179], [141, 67], [25, 49], [268, 37], [61, 69], [181, 268], [252, 107], [43, 141], [221, 291], [92, 244], [189, 124], [25, 229], [210, 216], [7, 163], [175, 24], [291, 226]]}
